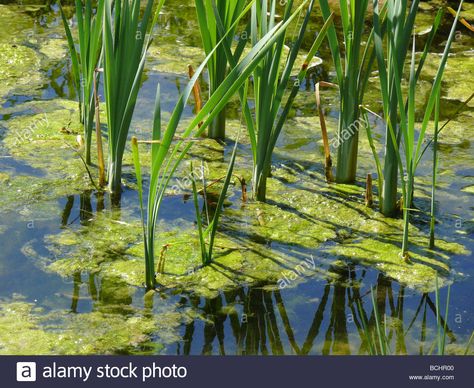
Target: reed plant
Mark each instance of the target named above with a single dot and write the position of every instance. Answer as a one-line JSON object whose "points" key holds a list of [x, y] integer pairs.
{"points": [[228, 11], [86, 60], [376, 338], [207, 235], [434, 171], [126, 37], [402, 127], [441, 327], [271, 81], [433, 142], [353, 66], [396, 31], [441, 324], [168, 150]]}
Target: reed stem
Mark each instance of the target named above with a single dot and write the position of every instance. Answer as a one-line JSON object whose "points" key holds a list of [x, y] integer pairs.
{"points": [[369, 198], [324, 133], [100, 152], [434, 173]]}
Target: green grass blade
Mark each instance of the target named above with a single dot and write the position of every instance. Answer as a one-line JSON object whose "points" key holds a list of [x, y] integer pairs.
{"points": [[443, 341], [468, 346], [333, 42], [438, 318], [202, 242], [73, 55], [380, 333], [220, 202], [366, 330]]}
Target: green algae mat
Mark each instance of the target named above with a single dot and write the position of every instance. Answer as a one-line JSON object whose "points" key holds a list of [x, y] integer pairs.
{"points": [[305, 220]]}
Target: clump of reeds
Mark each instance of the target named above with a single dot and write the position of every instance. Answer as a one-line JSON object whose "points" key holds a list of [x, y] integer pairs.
{"points": [[404, 138], [86, 60], [270, 84], [228, 11], [353, 66], [127, 34], [167, 151]]}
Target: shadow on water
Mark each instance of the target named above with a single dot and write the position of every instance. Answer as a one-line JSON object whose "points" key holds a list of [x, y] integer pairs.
{"points": [[261, 320]]}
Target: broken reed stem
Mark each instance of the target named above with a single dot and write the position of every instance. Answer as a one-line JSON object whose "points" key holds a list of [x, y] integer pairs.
{"points": [[196, 93], [322, 121], [369, 198], [462, 20], [100, 151], [244, 189], [160, 268]]}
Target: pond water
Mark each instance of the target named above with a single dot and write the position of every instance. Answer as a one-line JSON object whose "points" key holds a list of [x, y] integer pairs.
{"points": [[70, 262]]}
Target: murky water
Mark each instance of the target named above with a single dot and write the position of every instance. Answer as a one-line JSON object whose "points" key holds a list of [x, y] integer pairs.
{"points": [[92, 309]]}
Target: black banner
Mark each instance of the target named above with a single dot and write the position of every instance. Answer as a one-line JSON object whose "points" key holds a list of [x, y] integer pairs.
{"points": [[229, 372]]}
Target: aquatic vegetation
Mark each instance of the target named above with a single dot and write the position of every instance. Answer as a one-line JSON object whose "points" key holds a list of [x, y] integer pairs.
{"points": [[435, 171], [352, 75], [396, 28], [376, 340], [14, 59], [259, 242], [376, 334], [165, 158], [270, 84], [86, 61], [98, 332], [228, 12], [214, 265], [15, 24], [126, 39], [404, 128], [31, 138], [441, 327], [397, 18], [209, 233]]}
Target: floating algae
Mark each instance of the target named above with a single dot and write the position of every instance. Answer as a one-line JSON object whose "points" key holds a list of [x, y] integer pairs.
{"points": [[19, 70], [15, 24], [43, 135], [258, 243], [59, 332], [454, 85], [468, 189]]}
